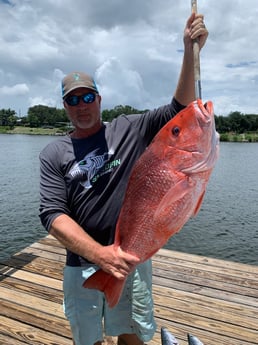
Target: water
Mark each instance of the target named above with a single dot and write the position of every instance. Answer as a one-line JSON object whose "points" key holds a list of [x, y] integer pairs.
{"points": [[19, 191], [225, 228], [227, 224]]}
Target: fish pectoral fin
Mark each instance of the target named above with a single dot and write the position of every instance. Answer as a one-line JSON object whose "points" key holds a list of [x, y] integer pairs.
{"points": [[176, 207], [174, 194], [105, 282]]}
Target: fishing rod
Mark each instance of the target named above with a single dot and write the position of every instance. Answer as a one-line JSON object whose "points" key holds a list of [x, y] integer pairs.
{"points": [[196, 53]]}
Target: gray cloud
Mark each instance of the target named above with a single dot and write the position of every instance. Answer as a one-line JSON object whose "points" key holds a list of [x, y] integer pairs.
{"points": [[134, 49]]}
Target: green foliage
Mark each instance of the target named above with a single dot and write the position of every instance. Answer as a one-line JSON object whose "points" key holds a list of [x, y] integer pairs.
{"points": [[7, 118], [237, 122], [41, 115], [109, 115], [224, 137]]}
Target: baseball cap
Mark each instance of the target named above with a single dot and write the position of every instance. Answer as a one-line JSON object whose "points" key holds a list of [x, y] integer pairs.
{"points": [[75, 80]]}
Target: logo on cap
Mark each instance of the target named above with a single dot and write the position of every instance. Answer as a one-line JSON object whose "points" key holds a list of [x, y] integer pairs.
{"points": [[76, 76]]}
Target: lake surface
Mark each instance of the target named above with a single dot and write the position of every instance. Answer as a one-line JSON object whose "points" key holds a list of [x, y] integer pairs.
{"points": [[225, 228]]}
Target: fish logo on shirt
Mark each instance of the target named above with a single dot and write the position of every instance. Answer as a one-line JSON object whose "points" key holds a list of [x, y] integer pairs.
{"points": [[88, 167]]}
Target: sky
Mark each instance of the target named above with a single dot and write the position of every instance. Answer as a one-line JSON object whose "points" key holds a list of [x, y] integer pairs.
{"points": [[133, 49]]}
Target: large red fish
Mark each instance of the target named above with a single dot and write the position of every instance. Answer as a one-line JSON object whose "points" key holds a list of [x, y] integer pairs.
{"points": [[165, 189]]}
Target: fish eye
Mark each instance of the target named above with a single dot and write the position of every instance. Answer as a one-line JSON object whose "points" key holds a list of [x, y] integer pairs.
{"points": [[175, 131]]}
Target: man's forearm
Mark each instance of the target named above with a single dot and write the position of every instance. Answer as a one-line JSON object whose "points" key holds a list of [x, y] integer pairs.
{"points": [[74, 238], [185, 92], [111, 259]]}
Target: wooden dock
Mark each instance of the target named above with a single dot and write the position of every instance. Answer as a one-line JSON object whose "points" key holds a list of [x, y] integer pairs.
{"points": [[215, 300]]}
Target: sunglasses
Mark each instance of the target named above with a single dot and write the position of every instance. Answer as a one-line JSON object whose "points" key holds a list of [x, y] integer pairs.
{"points": [[75, 100]]}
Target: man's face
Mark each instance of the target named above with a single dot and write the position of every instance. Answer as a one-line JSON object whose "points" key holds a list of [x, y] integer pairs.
{"points": [[83, 115]]}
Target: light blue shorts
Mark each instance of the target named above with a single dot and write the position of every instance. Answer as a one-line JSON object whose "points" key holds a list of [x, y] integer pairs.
{"points": [[91, 318]]}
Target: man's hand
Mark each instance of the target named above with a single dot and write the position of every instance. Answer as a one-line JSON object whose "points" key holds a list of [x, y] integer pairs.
{"points": [[115, 261], [195, 28]]}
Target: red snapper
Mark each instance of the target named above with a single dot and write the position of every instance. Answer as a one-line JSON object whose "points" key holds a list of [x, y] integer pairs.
{"points": [[165, 189]]}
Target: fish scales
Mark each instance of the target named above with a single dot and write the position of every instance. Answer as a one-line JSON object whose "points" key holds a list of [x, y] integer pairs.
{"points": [[148, 186]]}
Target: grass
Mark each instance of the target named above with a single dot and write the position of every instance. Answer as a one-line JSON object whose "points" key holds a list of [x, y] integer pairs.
{"points": [[250, 137], [33, 131]]}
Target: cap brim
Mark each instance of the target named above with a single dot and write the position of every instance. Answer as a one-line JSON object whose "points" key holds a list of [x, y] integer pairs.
{"points": [[78, 87]]}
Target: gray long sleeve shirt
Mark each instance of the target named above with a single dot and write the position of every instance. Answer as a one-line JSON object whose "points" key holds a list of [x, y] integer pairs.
{"points": [[87, 178]]}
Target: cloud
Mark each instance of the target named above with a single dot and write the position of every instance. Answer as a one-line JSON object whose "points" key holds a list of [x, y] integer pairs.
{"points": [[41, 100], [16, 90], [118, 82], [241, 64], [134, 50]]}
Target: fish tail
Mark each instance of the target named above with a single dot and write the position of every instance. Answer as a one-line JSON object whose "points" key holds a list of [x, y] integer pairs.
{"points": [[192, 340], [108, 284], [167, 338]]}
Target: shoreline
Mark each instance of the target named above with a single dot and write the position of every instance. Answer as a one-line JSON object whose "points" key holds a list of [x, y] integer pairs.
{"points": [[33, 131], [250, 137]]}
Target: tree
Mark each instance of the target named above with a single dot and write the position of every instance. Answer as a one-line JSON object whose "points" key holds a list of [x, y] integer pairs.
{"points": [[109, 115], [222, 124], [6, 117], [42, 115], [235, 120]]}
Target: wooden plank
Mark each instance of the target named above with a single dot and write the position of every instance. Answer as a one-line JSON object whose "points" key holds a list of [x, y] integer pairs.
{"points": [[208, 319], [48, 248], [214, 326], [39, 264], [178, 257], [6, 340], [180, 330], [28, 315], [27, 287], [235, 275], [213, 299], [45, 306], [32, 277], [205, 286], [51, 241], [29, 334], [207, 307], [206, 291], [41, 253]]}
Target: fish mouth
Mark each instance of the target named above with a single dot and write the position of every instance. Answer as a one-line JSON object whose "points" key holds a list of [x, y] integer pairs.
{"points": [[205, 113], [206, 156]]}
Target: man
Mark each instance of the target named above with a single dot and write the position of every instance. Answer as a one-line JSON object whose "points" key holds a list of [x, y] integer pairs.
{"points": [[83, 181]]}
